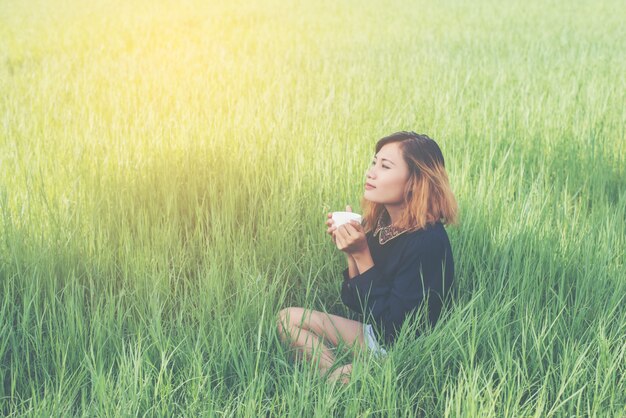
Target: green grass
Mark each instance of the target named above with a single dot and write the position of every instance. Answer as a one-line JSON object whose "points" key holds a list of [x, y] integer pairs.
{"points": [[166, 168]]}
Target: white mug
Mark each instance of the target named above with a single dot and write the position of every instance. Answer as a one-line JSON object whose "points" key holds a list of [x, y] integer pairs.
{"points": [[341, 218]]}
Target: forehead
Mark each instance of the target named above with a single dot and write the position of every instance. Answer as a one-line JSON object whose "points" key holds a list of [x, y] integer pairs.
{"points": [[391, 151]]}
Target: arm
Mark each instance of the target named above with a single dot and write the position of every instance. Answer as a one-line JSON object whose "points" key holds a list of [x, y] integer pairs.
{"points": [[390, 299], [347, 296], [363, 261], [356, 264], [353, 269]]}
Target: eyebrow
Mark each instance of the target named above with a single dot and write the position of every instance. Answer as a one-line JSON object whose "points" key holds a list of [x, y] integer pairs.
{"points": [[385, 159]]}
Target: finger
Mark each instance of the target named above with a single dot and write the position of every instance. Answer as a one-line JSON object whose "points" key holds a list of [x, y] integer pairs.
{"points": [[339, 241], [357, 226], [343, 230], [350, 228]]}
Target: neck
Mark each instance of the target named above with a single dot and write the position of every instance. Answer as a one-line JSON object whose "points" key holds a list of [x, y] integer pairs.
{"points": [[395, 212]]}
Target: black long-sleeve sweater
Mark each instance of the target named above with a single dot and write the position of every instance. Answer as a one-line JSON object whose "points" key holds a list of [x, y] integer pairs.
{"points": [[406, 269]]}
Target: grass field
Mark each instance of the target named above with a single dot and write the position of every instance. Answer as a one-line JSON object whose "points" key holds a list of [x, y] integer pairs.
{"points": [[166, 168]]}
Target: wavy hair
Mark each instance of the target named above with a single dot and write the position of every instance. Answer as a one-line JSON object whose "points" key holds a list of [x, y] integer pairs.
{"points": [[427, 195]]}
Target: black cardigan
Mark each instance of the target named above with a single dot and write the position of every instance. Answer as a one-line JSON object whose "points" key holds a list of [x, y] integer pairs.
{"points": [[395, 280]]}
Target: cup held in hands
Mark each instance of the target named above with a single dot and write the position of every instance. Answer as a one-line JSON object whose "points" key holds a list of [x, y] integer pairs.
{"points": [[341, 218]]}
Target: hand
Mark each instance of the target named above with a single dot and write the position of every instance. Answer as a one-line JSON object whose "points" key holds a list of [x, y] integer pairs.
{"points": [[330, 222], [350, 238]]}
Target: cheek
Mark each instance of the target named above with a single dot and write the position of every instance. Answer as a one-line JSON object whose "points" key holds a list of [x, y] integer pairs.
{"points": [[390, 183], [391, 187], [399, 186]]}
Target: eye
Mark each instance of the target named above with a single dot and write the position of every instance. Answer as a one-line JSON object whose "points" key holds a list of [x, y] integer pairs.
{"points": [[384, 166]]}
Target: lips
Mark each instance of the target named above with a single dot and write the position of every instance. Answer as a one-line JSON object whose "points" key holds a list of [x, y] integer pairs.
{"points": [[369, 186]]}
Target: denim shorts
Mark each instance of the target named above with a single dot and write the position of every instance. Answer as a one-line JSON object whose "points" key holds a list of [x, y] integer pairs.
{"points": [[372, 342]]}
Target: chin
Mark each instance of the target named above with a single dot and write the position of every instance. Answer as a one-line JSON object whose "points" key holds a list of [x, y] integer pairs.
{"points": [[366, 197]]}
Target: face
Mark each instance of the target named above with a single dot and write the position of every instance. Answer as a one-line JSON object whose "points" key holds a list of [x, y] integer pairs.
{"points": [[388, 173]]}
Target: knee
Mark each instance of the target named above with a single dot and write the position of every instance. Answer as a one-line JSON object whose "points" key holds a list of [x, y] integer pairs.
{"points": [[288, 317], [285, 318]]}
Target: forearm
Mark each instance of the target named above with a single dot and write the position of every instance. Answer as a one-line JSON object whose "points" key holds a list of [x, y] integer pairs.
{"points": [[363, 261], [353, 269]]}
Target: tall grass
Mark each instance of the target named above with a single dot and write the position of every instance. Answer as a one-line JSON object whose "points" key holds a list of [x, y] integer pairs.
{"points": [[166, 168]]}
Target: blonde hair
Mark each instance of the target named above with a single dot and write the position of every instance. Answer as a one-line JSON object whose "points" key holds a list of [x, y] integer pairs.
{"points": [[427, 194]]}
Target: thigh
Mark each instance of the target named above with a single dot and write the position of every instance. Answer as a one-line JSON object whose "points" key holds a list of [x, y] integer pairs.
{"points": [[331, 327]]}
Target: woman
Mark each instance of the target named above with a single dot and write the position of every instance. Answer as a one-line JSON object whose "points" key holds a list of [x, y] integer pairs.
{"points": [[399, 258]]}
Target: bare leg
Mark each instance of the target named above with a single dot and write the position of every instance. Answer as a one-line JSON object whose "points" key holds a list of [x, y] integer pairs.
{"points": [[311, 347], [307, 330], [342, 374]]}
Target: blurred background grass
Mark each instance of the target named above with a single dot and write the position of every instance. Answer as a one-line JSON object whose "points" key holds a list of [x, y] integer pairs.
{"points": [[166, 168]]}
